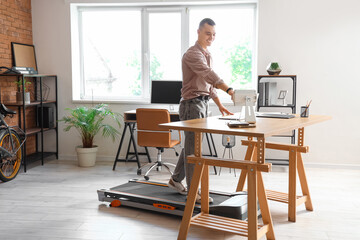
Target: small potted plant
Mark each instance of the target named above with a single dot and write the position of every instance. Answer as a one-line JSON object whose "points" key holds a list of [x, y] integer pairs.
{"points": [[89, 121], [19, 93], [273, 68]]}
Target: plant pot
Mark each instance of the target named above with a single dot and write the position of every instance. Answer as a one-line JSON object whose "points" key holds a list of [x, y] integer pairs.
{"points": [[86, 156], [273, 68], [19, 97]]}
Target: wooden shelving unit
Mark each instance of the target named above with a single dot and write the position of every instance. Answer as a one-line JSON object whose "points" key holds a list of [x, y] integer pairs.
{"points": [[263, 102]]}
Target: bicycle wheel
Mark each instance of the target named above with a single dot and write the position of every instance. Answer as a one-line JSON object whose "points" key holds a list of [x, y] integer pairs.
{"points": [[10, 166]]}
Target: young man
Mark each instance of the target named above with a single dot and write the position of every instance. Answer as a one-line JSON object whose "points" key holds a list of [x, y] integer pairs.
{"points": [[199, 83]]}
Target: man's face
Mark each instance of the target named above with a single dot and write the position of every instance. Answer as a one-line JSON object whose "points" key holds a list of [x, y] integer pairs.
{"points": [[206, 35]]}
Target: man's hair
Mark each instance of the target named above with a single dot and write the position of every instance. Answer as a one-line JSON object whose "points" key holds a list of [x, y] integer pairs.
{"points": [[208, 21]]}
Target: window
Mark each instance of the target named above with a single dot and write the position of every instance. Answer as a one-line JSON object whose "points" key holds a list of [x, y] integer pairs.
{"points": [[117, 51], [232, 50], [111, 53], [165, 46]]}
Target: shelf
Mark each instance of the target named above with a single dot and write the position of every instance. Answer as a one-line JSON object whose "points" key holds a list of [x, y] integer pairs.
{"points": [[266, 90], [282, 136], [289, 105], [34, 157], [280, 197], [35, 103], [277, 76], [278, 162], [27, 75], [230, 225], [40, 107], [32, 131]]}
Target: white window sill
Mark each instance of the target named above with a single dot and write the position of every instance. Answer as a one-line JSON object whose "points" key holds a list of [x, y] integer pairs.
{"points": [[134, 102]]}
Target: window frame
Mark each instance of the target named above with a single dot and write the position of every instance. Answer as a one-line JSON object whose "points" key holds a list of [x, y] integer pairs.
{"points": [[145, 10]]}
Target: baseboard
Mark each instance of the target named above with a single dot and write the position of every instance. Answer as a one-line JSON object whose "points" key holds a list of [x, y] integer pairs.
{"points": [[333, 165], [174, 160]]}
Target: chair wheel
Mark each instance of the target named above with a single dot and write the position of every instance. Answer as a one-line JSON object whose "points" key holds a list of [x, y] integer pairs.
{"points": [[139, 172], [146, 177]]}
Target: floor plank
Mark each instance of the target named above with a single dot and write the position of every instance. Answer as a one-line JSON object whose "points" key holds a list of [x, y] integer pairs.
{"points": [[59, 201]]}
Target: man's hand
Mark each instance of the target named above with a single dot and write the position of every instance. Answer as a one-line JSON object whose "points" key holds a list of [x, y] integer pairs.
{"points": [[224, 111], [221, 107]]}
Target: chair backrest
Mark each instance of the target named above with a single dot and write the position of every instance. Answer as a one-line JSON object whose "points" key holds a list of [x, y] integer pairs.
{"points": [[149, 134]]}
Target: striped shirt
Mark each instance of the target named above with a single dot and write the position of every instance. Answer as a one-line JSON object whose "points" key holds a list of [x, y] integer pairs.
{"points": [[199, 78]]}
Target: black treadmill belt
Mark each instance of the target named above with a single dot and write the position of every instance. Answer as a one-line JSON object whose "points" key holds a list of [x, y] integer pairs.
{"points": [[159, 197], [159, 191]]}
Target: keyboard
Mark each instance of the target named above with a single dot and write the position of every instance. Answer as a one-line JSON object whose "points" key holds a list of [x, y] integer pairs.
{"points": [[230, 117], [274, 115]]}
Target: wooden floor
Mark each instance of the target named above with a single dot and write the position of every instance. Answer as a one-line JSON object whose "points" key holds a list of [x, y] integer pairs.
{"points": [[59, 201]]}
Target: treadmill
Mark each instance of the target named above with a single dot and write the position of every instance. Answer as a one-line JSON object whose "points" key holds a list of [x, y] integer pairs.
{"points": [[159, 197]]}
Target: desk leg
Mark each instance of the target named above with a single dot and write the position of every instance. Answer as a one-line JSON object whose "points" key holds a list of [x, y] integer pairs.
{"points": [[121, 142], [205, 190], [190, 203], [264, 207], [134, 145], [292, 186], [213, 145], [252, 204], [248, 156], [303, 182], [131, 129]]}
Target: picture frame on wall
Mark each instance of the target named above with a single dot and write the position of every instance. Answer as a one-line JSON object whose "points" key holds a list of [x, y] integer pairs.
{"points": [[23, 56]]}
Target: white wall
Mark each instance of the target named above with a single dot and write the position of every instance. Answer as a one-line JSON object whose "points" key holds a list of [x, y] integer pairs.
{"points": [[319, 41]]}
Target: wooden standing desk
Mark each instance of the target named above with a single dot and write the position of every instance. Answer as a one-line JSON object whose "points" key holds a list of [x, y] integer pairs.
{"points": [[130, 123], [266, 127]]}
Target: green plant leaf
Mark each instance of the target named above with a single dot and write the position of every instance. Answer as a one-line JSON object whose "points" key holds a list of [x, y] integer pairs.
{"points": [[90, 121]]}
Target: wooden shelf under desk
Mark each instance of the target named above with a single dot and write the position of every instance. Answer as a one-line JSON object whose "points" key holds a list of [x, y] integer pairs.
{"points": [[224, 224]]}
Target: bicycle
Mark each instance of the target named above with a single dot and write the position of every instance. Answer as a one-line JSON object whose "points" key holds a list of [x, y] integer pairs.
{"points": [[11, 151]]}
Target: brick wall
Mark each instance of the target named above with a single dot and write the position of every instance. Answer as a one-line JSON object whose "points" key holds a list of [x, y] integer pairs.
{"points": [[15, 26]]}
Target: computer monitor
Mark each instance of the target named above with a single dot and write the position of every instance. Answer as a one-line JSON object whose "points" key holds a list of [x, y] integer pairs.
{"points": [[166, 92]]}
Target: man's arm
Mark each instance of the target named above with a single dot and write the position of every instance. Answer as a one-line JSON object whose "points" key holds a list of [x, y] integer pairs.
{"points": [[225, 87], [221, 107], [230, 91]]}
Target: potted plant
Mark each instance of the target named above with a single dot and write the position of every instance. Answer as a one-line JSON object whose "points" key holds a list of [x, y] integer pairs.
{"points": [[19, 93], [89, 121], [273, 68]]}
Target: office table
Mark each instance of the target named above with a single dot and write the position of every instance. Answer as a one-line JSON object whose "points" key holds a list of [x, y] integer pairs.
{"points": [[130, 123], [265, 127]]}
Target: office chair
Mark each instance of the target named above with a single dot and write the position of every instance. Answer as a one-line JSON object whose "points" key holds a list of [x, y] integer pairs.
{"points": [[149, 134]]}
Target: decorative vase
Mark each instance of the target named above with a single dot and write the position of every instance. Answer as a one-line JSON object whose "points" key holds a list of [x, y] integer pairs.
{"points": [[273, 68], [19, 97], [86, 156]]}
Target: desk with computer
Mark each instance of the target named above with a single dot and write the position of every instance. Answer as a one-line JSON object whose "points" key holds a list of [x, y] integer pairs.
{"points": [[164, 95]]}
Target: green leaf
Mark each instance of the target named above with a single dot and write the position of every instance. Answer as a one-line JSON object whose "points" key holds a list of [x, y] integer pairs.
{"points": [[89, 121]]}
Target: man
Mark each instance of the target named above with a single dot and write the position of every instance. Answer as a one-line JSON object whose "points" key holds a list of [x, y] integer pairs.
{"points": [[199, 83]]}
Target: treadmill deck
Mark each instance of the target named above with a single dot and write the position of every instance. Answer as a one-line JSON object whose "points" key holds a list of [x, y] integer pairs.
{"points": [[159, 197]]}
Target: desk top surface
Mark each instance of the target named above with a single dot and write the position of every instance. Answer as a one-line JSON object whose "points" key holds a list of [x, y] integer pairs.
{"points": [[265, 127]]}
